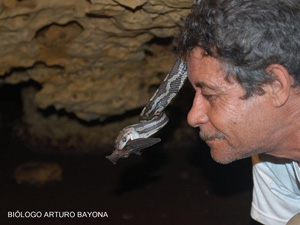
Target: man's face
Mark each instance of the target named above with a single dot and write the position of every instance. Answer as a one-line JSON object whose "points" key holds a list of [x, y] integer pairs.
{"points": [[234, 128]]}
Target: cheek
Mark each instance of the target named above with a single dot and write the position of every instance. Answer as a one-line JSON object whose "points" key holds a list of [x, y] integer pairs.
{"points": [[226, 115], [240, 122]]}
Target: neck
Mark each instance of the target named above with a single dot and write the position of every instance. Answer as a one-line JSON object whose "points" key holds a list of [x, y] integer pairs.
{"points": [[288, 135]]}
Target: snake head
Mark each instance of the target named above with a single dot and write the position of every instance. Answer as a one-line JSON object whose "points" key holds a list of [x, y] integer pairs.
{"points": [[132, 147], [127, 134]]}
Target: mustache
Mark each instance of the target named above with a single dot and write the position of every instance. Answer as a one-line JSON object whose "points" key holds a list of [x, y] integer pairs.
{"points": [[210, 136]]}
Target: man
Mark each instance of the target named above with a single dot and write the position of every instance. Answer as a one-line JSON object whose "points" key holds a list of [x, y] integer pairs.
{"points": [[243, 60]]}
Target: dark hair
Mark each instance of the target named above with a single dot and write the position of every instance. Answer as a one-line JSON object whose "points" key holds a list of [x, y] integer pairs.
{"points": [[246, 36]]}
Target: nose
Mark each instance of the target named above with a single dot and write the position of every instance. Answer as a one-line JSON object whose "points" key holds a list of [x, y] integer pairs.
{"points": [[198, 113]]}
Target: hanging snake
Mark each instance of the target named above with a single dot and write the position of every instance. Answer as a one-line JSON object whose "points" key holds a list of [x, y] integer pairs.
{"points": [[132, 139]]}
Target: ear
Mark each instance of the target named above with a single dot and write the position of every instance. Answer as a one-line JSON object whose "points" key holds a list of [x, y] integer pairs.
{"points": [[279, 89]]}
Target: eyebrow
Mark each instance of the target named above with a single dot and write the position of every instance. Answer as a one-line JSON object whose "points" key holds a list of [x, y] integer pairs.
{"points": [[202, 85]]}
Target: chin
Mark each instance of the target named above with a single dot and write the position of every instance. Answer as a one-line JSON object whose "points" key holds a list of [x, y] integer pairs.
{"points": [[223, 153], [222, 160], [226, 156], [220, 153]]}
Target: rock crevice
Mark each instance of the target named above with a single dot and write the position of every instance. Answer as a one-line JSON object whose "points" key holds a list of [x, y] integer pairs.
{"points": [[94, 59]]}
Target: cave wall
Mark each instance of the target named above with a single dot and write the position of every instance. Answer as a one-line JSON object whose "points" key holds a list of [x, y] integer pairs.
{"points": [[94, 59]]}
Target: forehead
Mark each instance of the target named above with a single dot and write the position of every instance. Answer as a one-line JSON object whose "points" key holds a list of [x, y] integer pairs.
{"points": [[204, 70]]}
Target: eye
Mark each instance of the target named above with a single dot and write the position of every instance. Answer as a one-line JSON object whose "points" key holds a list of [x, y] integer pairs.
{"points": [[208, 97], [124, 139]]}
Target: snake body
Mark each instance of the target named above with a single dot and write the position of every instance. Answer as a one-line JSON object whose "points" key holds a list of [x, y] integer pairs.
{"points": [[152, 117], [166, 91]]}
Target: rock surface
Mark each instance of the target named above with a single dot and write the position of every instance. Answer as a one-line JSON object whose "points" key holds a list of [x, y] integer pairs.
{"points": [[94, 59]]}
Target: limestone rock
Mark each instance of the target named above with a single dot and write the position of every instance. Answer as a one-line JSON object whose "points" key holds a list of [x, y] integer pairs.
{"points": [[38, 173], [62, 133], [92, 58], [133, 4]]}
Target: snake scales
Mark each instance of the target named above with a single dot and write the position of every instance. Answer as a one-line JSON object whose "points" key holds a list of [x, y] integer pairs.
{"points": [[132, 139]]}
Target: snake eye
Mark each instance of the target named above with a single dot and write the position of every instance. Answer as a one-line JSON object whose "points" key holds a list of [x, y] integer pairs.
{"points": [[124, 139]]}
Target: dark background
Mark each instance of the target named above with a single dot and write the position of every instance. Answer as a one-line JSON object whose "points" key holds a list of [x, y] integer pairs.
{"points": [[178, 184]]}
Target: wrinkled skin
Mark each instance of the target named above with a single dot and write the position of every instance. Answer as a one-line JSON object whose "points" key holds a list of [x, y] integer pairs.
{"points": [[233, 127]]}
